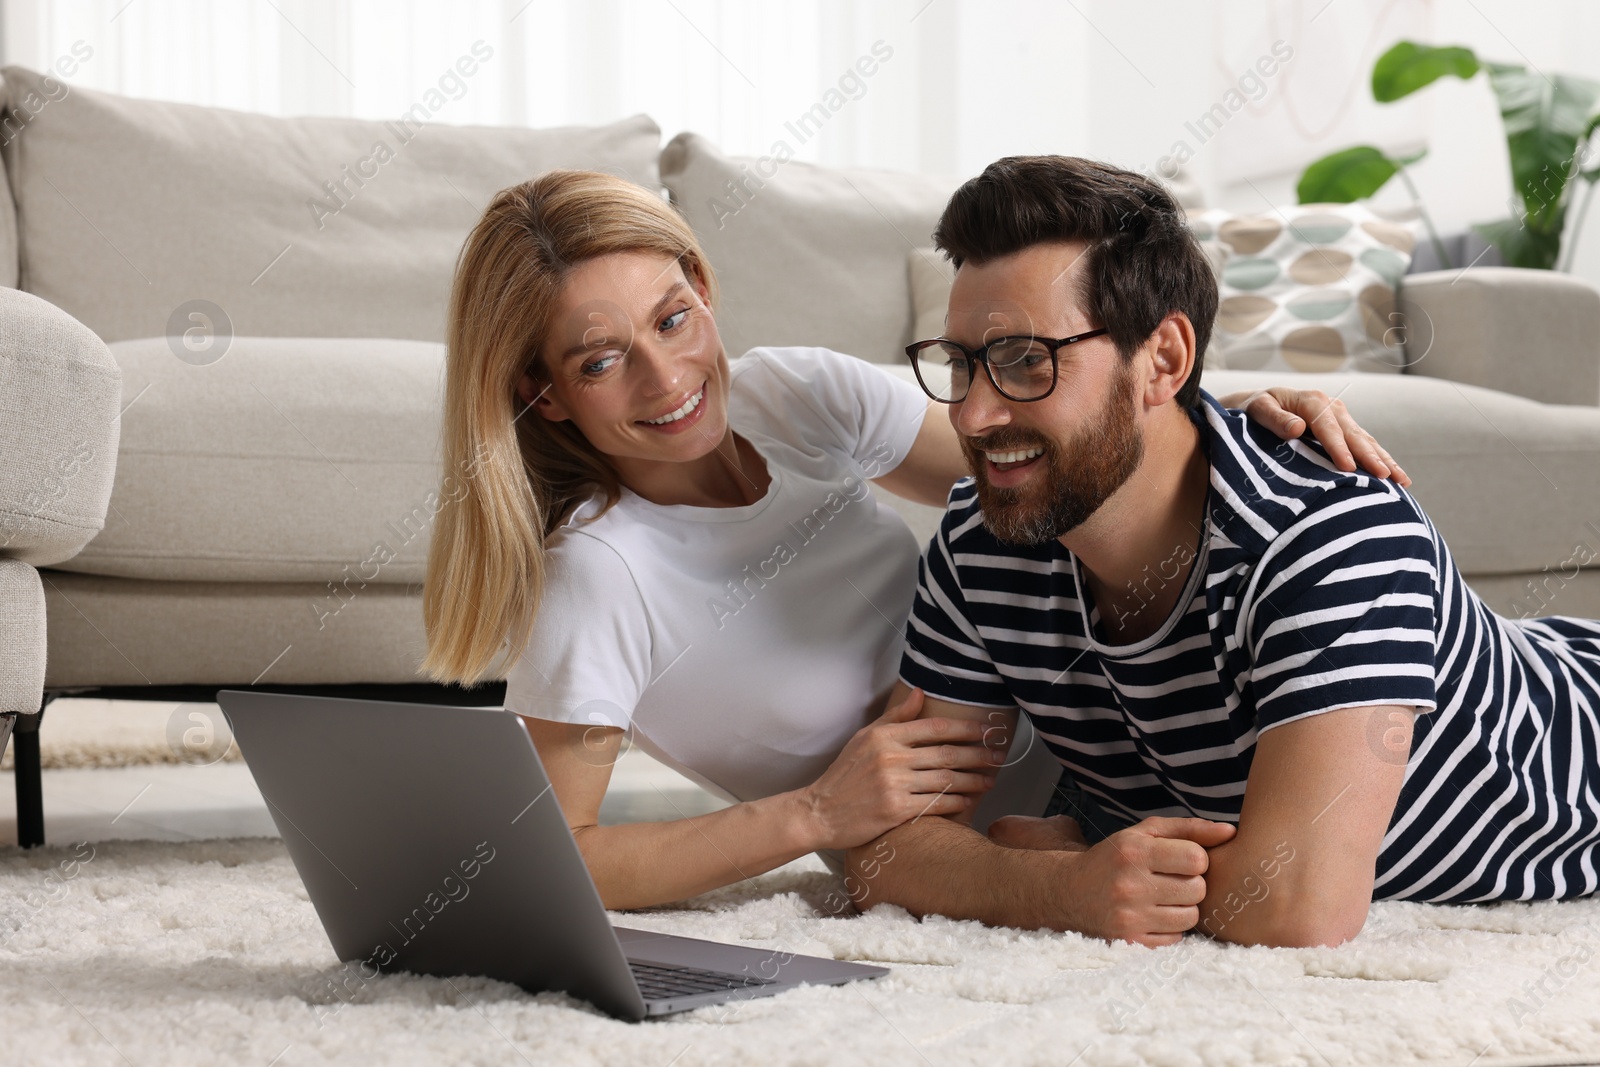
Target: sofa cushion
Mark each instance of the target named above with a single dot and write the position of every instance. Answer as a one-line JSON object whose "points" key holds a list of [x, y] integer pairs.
{"points": [[806, 255], [1509, 482], [59, 398], [931, 276], [286, 460], [130, 209]]}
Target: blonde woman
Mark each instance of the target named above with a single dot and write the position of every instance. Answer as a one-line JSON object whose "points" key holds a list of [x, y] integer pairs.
{"points": [[658, 541]]}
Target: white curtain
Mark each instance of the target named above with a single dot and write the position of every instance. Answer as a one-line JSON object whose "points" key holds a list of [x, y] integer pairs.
{"points": [[890, 72], [963, 82]]}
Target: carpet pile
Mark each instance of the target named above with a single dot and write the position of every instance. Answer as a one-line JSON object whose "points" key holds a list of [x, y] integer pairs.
{"points": [[205, 952]]}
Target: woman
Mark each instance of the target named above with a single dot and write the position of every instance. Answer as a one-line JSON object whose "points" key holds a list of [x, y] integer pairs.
{"points": [[669, 544]]}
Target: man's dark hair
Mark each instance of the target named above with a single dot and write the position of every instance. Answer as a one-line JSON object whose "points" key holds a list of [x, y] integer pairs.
{"points": [[1142, 261]]}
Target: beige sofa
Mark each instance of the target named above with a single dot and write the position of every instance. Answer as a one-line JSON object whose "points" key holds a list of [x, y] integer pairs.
{"points": [[272, 294]]}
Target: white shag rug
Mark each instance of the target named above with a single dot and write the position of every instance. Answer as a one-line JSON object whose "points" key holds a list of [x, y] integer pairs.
{"points": [[209, 952]]}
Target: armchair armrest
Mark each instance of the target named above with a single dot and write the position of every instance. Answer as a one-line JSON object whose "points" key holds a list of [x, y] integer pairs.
{"points": [[60, 423], [1533, 333]]}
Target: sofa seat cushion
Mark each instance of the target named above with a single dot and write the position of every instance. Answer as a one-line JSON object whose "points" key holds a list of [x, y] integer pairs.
{"points": [[311, 227], [286, 460], [1510, 483], [59, 397]]}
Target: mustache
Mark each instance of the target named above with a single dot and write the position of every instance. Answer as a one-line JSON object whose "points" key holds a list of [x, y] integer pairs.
{"points": [[1005, 441]]}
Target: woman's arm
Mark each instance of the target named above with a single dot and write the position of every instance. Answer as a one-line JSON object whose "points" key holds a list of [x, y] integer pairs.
{"points": [[892, 770], [1287, 412], [935, 462], [933, 465]]}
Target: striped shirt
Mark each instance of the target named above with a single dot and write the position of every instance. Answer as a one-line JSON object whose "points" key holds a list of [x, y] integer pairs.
{"points": [[1312, 589]]}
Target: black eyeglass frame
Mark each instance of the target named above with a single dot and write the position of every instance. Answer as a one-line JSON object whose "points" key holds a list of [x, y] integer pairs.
{"points": [[981, 355]]}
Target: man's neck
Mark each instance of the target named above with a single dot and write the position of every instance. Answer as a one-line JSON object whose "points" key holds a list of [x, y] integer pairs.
{"points": [[1137, 550]]}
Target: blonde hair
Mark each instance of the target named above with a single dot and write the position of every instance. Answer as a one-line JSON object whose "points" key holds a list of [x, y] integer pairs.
{"points": [[524, 474]]}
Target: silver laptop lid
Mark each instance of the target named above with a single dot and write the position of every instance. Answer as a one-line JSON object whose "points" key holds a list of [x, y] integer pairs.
{"points": [[430, 841]]}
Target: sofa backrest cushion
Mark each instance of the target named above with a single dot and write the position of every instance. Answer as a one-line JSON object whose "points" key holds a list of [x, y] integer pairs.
{"points": [[131, 209], [806, 255]]}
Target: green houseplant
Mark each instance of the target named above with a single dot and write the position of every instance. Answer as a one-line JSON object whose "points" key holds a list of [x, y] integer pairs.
{"points": [[1549, 122]]}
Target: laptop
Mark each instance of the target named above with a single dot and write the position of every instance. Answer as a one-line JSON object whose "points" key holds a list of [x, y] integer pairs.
{"points": [[430, 841]]}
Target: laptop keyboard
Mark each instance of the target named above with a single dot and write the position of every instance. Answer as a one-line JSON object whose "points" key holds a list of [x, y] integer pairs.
{"points": [[657, 982]]}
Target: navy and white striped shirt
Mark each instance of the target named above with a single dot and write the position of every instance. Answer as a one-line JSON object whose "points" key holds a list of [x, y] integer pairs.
{"points": [[1312, 589]]}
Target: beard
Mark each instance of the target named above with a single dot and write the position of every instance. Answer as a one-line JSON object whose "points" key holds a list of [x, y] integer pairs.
{"points": [[1079, 475]]}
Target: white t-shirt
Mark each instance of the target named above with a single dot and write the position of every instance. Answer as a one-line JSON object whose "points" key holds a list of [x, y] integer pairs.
{"points": [[742, 646]]}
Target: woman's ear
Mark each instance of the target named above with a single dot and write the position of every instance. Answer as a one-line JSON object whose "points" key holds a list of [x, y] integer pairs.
{"points": [[537, 395], [702, 290]]}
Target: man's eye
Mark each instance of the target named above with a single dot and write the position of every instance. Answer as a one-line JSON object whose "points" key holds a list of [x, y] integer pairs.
{"points": [[597, 367], [673, 321]]}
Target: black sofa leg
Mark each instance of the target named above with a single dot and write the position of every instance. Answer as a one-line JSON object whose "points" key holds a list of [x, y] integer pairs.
{"points": [[30, 786]]}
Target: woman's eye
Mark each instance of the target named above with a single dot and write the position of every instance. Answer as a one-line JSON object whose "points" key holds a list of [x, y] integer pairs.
{"points": [[595, 368], [673, 321]]}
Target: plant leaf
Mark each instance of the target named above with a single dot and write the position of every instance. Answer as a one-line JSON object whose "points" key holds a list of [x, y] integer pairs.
{"points": [[1592, 173], [1546, 119], [1522, 246], [1343, 177], [1409, 66]]}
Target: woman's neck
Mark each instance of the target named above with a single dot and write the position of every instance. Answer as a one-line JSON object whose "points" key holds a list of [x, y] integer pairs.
{"points": [[731, 475]]}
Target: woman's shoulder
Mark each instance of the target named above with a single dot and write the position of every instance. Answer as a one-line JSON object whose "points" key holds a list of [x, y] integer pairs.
{"points": [[817, 387], [587, 580], [592, 543]]}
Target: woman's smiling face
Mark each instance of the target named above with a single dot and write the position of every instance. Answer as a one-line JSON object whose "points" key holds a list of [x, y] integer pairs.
{"points": [[634, 360]]}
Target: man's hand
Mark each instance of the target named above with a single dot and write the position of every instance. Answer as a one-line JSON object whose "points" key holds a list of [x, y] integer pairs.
{"points": [[1143, 884]]}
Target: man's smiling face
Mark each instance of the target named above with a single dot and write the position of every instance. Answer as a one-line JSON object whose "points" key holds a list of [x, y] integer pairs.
{"points": [[1043, 467]]}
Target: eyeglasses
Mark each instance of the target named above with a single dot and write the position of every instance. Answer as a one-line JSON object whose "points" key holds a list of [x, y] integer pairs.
{"points": [[1021, 368]]}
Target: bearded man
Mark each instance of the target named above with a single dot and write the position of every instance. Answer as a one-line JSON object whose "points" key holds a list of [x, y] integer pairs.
{"points": [[1265, 674]]}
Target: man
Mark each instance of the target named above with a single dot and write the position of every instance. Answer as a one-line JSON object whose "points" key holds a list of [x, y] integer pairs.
{"points": [[1270, 667]]}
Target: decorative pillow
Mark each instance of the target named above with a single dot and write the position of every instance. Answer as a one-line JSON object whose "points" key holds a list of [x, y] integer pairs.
{"points": [[1309, 288]]}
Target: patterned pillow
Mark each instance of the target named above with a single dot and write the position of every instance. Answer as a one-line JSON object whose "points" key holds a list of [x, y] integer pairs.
{"points": [[1308, 288]]}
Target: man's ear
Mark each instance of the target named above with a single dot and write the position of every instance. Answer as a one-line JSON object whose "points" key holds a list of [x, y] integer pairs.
{"points": [[1171, 349]]}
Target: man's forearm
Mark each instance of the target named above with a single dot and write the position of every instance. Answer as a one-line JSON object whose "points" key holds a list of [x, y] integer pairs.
{"points": [[936, 866]]}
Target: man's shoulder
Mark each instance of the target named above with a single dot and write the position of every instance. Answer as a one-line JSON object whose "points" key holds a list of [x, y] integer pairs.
{"points": [[1266, 491], [962, 527]]}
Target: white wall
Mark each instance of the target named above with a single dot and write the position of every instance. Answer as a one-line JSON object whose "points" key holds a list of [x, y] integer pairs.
{"points": [[968, 80]]}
